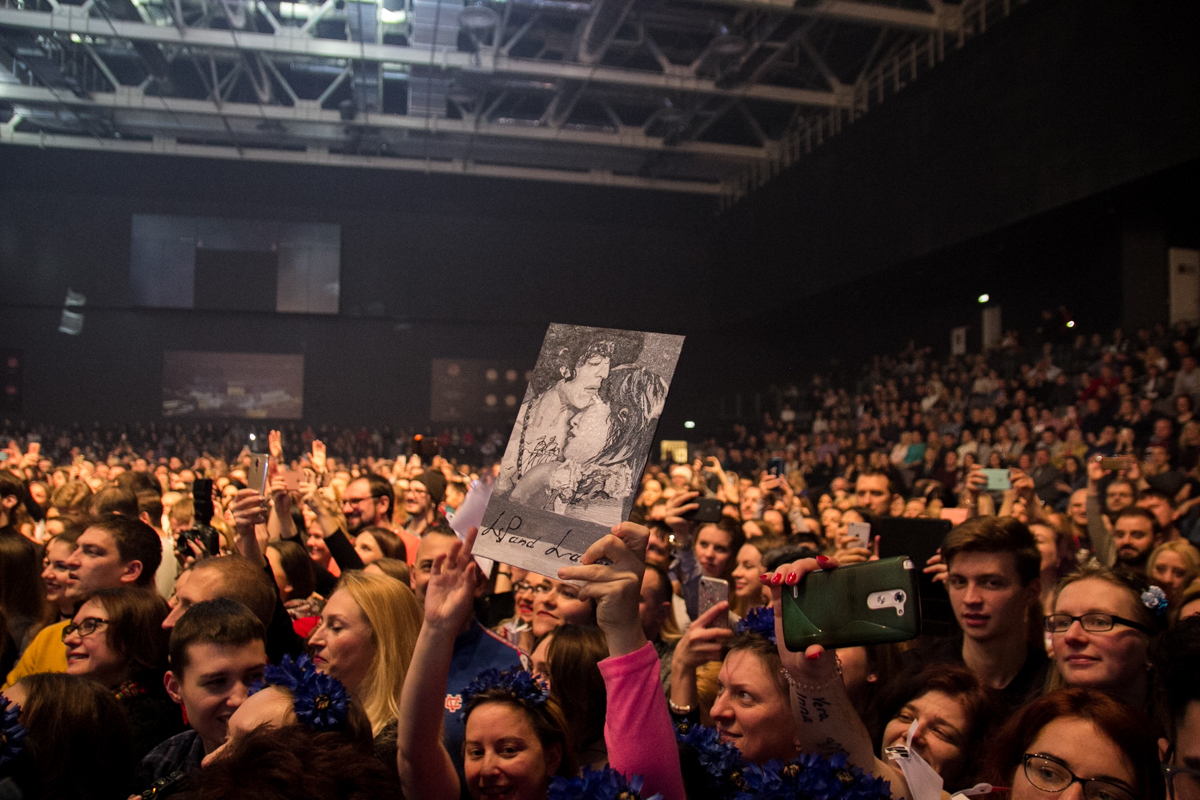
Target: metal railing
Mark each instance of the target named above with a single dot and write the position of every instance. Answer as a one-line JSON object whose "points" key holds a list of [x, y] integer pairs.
{"points": [[888, 78]]}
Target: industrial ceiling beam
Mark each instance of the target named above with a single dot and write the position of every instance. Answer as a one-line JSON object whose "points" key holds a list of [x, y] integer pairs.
{"points": [[132, 99], [69, 20], [947, 18], [319, 157]]}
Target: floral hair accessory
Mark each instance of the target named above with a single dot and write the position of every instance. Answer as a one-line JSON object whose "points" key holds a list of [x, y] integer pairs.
{"points": [[759, 621], [521, 685], [598, 784], [319, 701], [809, 776], [1155, 599], [12, 732]]}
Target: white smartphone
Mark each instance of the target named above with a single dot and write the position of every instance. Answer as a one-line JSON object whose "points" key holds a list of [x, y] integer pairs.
{"points": [[860, 531], [713, 591], [256, 474]]}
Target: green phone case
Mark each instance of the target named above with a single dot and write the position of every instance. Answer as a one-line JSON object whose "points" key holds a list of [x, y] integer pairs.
{"points": [[870, 603]]}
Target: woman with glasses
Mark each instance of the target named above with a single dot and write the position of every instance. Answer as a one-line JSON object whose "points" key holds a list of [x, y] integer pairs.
{"points": [[1078, 744], [518, 629], [1100, 633], [116, 639]]}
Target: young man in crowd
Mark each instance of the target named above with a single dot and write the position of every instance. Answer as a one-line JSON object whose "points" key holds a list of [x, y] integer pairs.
{"points": [[425, 493], [992, 569], [114, 551], [217, 651]]}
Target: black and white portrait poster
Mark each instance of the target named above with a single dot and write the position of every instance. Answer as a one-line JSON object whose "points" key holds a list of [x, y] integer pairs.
{"points": [[579, 445]]}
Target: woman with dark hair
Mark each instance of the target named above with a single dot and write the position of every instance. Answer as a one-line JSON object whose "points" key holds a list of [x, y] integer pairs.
{"points": [[1058, 558], [952, 712], [22, 595], [568, 660], [1078, 735], [116, 639], [565, 381], [77, 743], [296, 579], [373, 543]]}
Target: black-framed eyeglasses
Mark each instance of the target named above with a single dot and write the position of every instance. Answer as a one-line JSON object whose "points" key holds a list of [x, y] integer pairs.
{"points": [[1051, 775], [1183, 783], [522, 586], [1092, 623], [86, 627], [353, 501]]}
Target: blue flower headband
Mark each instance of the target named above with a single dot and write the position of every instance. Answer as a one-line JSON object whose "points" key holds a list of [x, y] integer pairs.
{"points": [[319, 701], [809, 776], [601, 784], [523, 687], [760, 621], [12, 732], [1155, 599]]}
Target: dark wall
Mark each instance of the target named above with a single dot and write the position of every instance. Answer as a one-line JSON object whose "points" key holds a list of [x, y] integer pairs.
{"points": [[1061, 101], [431, 267]]}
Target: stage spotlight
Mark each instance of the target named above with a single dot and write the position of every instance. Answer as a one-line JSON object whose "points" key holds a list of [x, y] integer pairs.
{"points": [[689, 424], [1070, 323], [983, 298]]}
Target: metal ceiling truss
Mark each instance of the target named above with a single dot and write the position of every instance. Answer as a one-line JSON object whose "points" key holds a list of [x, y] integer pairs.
{"points": [[700, 96]]}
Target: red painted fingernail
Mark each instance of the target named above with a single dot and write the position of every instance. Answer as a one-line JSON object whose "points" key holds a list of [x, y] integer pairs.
{"points": [[792, 578], [764, 578], [812, 657], [822, 560], [776, 579]]}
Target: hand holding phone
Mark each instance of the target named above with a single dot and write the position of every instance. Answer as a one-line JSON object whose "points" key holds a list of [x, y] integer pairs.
{"points": [[998, 480], [713, 591], [872, 603], [256, 473]]}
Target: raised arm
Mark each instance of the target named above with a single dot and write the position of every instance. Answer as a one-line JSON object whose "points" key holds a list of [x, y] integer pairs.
{"points": [[826, 722], [426, 770], [637, 726], [1103, 547], [249, 509]]}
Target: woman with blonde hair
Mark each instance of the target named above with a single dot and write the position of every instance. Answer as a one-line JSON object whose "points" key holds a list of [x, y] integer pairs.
{"points": [[1173, 565], [366, 638]]}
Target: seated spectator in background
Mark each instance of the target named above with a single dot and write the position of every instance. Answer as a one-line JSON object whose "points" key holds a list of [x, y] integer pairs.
{"points": [[116, 639], [78, 743], [112, 552], [217, 652]]}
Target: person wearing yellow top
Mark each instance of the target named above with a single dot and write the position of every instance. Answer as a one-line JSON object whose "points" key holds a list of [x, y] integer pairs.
{"points": [[46, 653], [116, 551]]}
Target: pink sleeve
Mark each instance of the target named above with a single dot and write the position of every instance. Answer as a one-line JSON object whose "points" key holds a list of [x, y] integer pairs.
{"points": [[638, 729]]}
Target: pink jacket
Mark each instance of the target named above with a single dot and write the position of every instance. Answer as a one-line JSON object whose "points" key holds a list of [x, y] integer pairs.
{"points": [[638, 729]]}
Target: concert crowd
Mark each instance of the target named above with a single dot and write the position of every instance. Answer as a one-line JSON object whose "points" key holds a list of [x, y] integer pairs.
{"points": [[188, 612]]}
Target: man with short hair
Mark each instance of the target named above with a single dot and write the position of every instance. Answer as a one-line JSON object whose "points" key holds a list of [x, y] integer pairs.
{"points": [[425, 493], [1160, 504], [237, 578], [475, 648], [992, 577], [1135, 535], [878, 492], [113, 551], [217, 652]]}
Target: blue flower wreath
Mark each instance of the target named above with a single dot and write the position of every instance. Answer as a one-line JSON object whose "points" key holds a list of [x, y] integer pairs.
{"points": [[319, 701], [516, 682], [598, 784], [1155, 599], [760, 621], [12, 732], [807, 777]]}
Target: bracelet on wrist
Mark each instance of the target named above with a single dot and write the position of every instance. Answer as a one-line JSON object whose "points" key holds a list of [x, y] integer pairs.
{"points": [[678, 710], [820, 687]]}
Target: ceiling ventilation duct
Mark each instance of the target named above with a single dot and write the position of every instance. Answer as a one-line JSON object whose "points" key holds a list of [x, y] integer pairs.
{"points": [[434, 24]]}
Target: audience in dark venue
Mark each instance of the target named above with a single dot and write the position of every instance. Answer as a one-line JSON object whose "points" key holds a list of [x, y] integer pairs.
{"points": [[335, 638]]}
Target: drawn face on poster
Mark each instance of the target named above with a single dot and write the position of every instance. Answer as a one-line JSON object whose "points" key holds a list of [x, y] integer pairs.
{"points": [[584, 431]]}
